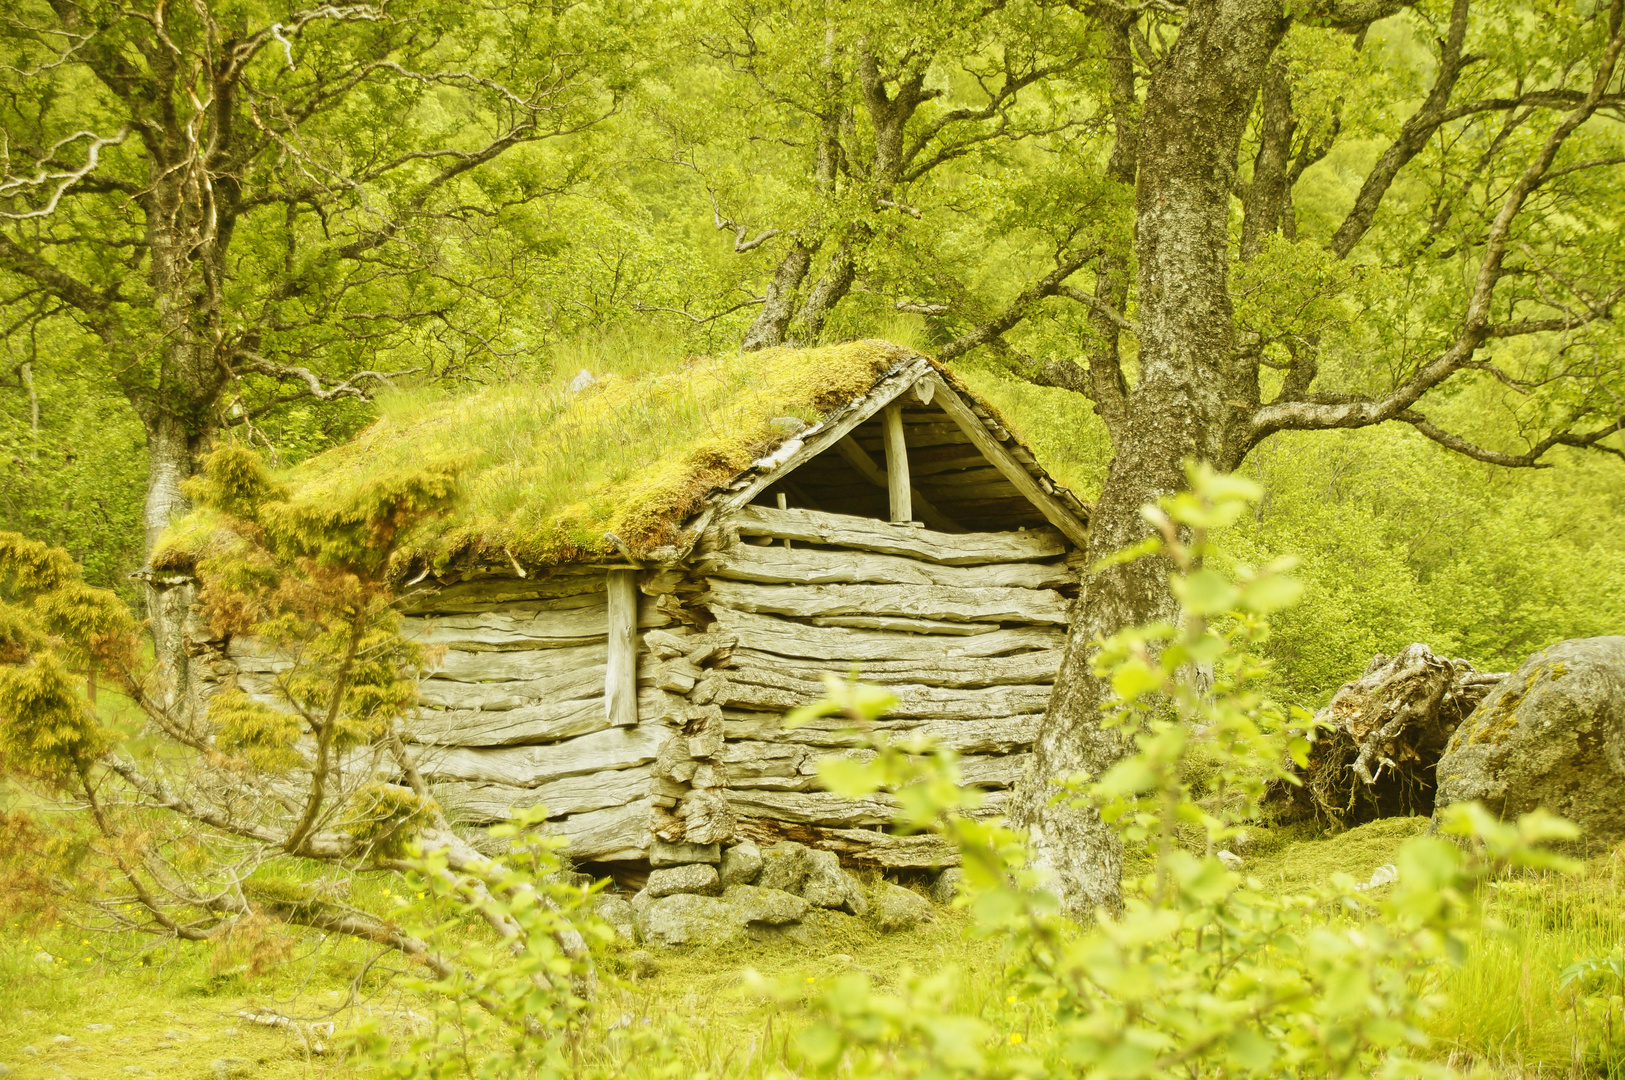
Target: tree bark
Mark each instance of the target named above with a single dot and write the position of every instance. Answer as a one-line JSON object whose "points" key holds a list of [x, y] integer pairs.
{"points": [[1183, 407], [830, 289], [768, 328]]}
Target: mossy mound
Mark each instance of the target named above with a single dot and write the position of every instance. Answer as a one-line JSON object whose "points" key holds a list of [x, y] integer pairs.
{"points": [[551, 475]]}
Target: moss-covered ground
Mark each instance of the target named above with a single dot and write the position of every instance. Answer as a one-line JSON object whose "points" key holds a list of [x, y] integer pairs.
{"points": [[92, 1011]]}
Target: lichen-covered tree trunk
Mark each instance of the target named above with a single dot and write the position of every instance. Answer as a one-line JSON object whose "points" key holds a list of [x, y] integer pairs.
{"points": [[1183, 406]]}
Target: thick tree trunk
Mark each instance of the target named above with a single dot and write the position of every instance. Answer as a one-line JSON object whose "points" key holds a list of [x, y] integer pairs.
{"points": [[830, 289], [171, 458], [1183, 407], [767, 330]]}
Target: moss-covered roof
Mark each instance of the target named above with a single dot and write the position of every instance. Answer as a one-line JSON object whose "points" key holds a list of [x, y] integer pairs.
{"points": [[549, 473]]}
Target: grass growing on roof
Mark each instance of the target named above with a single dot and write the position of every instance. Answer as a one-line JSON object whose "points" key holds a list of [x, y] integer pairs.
{"points": [[550, 472]]}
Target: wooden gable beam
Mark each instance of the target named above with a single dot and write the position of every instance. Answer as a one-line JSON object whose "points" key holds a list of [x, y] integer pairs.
{"points": [[811, 444], [999, 456], [859, 459]]}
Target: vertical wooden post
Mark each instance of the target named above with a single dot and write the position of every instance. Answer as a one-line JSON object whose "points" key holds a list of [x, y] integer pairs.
{"points": [[897, 486], [621, 674]]}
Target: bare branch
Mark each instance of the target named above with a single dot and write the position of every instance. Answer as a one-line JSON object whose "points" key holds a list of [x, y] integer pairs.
{"points": [[1089, 300], [12, 187], [1591, 440], [248, 361]]}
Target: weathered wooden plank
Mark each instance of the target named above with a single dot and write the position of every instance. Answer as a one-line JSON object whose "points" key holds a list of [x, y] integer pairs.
{"points": [[522, 665], [528, 766], [766, 633], [525, 626], [1052, 508], [620, 834], [993, 771], [621, 672], [586, 681], [809, 566], [480, 593], [812, 807], [953, 493], [754, 758], [951, 549], [571, 795], [547, 721], [946, 603], [1022, 668], [903, 625], [860, 460], [824, 435], [919, 434], [761, 689], [1001, 735], [871, 847]]}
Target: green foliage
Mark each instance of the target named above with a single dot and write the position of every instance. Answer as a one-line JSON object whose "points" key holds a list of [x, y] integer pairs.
{"points": [[1402, 541], [1205, 973], [45, 730], [518, 1006], [51, 620]]}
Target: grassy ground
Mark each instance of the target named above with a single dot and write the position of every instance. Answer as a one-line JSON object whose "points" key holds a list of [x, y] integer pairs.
{"points": [[87, 1014]]}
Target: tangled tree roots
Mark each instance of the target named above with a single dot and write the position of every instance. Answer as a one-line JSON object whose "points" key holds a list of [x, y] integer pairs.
{"points": [[1384, 735]]}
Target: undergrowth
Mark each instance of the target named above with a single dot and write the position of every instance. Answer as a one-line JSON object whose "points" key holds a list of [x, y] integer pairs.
{"points": [[174, 1012]]}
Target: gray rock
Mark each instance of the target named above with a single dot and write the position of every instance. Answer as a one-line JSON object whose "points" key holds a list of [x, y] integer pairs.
{"points": [[5, 1070], [642, 963], [694, 878], [946, 888], [582, 380], [784, 866], [828, 886], [1229, 860], [686, 919], [897, 908], [753, 905], [618, 912], [662, 854], [230, 1068], [1551, 735], [740, 864]]}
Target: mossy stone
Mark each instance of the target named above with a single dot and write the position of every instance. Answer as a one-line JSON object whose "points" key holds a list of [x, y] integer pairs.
{"points": [[686, 919], [1551, 735]]}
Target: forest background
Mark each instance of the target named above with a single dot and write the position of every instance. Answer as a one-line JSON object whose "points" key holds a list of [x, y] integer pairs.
{"points": [[657, 217]]}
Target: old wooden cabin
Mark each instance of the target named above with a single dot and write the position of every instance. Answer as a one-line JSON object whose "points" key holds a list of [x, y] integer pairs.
{"points": [[900, 532]]}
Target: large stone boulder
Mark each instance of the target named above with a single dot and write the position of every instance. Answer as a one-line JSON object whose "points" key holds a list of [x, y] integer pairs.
{"points": [[741, 864], [897, 908], [754, 906], [784, 867], [1552, 735], [619, 913], [686, 919], [693, 878], [828, 886]]}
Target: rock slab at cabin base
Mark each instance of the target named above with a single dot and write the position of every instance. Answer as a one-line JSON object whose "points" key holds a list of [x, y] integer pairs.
{"points": [[1552, 736]]}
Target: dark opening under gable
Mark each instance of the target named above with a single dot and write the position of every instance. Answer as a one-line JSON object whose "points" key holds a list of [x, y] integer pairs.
{"points": [[956, 485]]}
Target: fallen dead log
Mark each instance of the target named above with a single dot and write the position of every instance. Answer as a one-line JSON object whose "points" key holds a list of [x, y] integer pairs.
{"points": [[1382, 737]]}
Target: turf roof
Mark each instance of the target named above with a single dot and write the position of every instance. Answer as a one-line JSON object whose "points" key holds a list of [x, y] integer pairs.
{"points": [[549, 472]]}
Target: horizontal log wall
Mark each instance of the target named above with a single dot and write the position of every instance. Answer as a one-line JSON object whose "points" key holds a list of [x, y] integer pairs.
{"points": [[966, 629]]}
